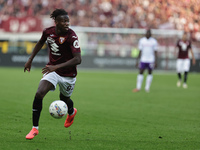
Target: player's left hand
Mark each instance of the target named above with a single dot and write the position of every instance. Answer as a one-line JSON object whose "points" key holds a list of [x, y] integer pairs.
{"points": [[193, 61], [48, 68], [155, 65]]}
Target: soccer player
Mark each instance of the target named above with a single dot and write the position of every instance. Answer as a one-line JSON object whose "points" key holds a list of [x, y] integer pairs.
{"points": [[183, 62], [148, 60], [64, 56]]}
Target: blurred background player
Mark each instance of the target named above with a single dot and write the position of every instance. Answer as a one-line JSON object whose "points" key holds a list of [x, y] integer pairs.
{"points": [[148, 60], [183, 62], [64, 55]]}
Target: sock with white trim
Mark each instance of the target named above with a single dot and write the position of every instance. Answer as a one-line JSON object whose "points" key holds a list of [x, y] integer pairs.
{"points": [[139, 81], [148, 82], [37, 108], [37, 127]]}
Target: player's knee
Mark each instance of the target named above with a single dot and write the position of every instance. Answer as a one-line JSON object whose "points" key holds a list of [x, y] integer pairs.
{"points": [[37, 104], [40, 94], [64, 98]]}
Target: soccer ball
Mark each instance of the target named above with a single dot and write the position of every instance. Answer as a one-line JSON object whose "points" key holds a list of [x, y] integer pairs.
{"points": [[58, 109]]}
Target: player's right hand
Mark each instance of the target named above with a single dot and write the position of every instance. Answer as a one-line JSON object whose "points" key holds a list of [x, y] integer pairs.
{"points": [[49, 68], [136, 65], [27, 66]]}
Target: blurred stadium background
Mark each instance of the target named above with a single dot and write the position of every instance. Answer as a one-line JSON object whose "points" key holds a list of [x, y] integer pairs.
{"points": [[108, 30]]}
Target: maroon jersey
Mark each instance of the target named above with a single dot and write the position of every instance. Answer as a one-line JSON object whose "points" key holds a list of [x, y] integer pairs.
{"points": [[61, 49], [184, 47]]}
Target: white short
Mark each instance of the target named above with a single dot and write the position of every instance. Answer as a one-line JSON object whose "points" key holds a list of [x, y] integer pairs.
{"points": [[66, 84], [182, 65]]}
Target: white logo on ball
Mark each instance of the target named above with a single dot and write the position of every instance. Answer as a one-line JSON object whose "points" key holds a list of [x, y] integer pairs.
{"points": [[76, 44]]}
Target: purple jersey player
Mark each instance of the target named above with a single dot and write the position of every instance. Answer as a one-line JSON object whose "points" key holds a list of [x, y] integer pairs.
{"points": [[64, 56], [148, 58]]}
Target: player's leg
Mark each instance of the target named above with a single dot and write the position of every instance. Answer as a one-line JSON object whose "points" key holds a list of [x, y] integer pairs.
{"points": [[69, 102], [149, 77], [179, 76], [186, 70], [139, 78], [179, 70], [42, 90], [185, 80], [44, 87], [71, 110], [66, 88]]}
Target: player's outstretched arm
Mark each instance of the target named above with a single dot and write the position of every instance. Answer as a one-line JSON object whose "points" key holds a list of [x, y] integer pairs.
{"points": [[38, 46]]}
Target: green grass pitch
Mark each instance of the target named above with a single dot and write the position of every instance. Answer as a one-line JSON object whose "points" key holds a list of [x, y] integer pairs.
{"points": [[109, 117]]}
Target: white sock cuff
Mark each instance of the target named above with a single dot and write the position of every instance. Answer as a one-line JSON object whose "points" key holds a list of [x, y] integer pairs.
{"points": [[37, 127], [150, 76], [140, 76]]}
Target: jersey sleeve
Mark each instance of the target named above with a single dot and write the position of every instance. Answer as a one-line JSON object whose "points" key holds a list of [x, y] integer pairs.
{"points": [[155, 47], [74, 43], [44, 36], [177, 43]]}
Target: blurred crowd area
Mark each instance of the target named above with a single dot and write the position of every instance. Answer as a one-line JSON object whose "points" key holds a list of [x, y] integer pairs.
{"points": [[164, 14], [182, 15]]}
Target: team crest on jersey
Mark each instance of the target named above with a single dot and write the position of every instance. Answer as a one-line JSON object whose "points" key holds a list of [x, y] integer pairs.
{"points": [[61, 40]]}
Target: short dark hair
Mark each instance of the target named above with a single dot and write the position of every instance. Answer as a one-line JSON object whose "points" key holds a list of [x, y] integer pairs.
{"points": [[58, 12]]}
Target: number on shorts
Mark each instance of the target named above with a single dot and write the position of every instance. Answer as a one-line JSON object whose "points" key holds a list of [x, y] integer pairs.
{"points": [[70, 88]]}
